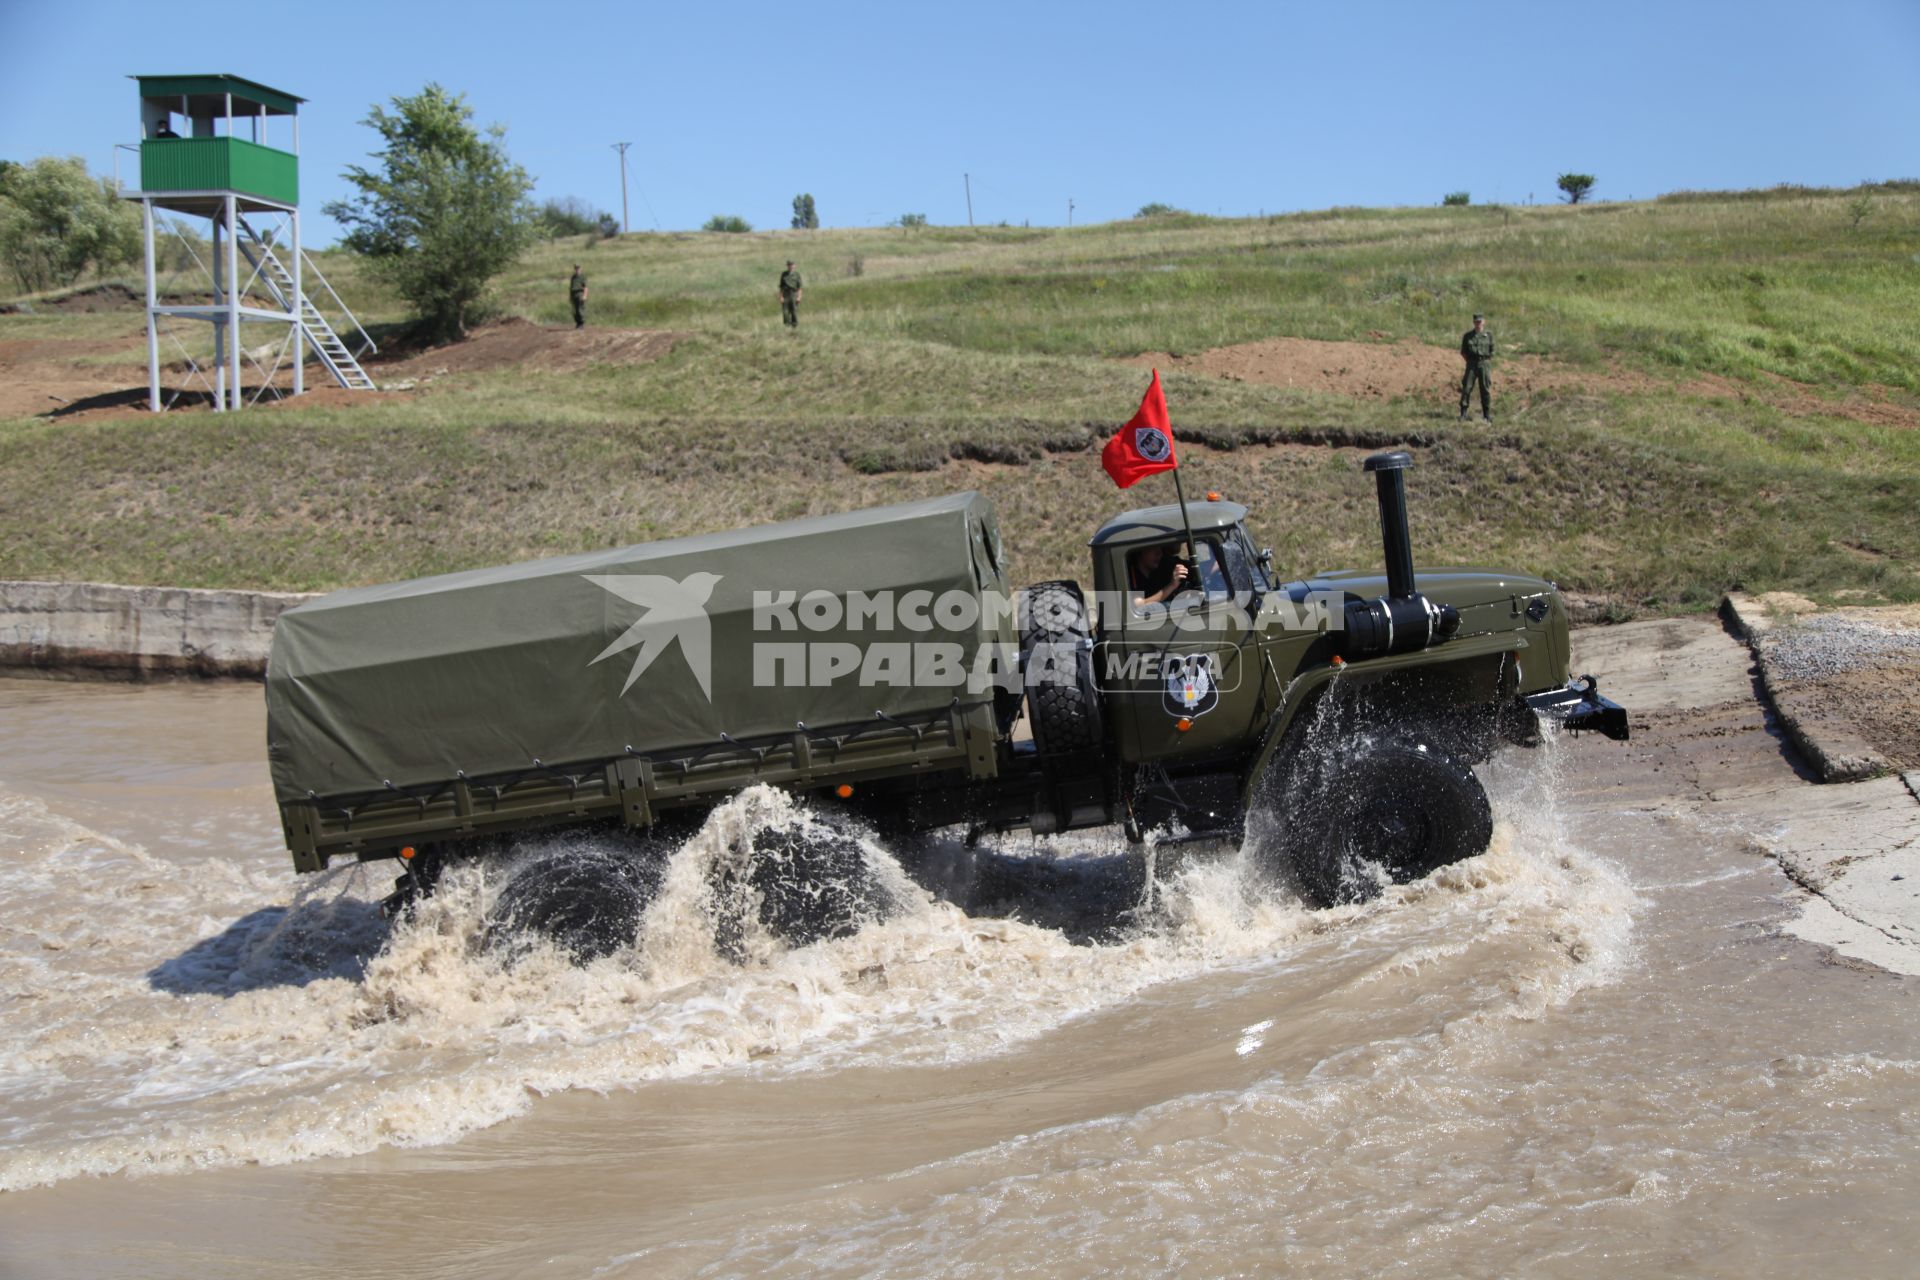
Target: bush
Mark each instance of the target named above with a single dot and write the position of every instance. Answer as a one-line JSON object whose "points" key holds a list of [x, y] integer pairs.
{"points": [[1456, 197], [911, 220], [574, 217], [447, 214], [1575, 185], [1158, 210], [56, 221], [726, 222]]}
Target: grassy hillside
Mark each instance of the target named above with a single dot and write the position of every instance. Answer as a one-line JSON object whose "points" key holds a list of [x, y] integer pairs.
{"points": [[1729, 343]]}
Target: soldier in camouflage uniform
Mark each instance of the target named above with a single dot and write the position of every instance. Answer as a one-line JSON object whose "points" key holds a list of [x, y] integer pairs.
{"points": [[577, 295], [790, 296], [1476, 348]]}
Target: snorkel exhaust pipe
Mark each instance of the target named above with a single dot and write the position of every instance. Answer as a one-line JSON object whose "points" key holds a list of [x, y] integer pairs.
{"points": [[1403, 619], [1387, 469]]}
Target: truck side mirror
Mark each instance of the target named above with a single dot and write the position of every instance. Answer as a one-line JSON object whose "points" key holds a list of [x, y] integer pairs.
{"points": [[1266, 557]]}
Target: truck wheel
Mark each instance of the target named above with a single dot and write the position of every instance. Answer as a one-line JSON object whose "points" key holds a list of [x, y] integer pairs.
{"points": [[806, 884], [587, 906], [1394, 809], [1056, 664]]}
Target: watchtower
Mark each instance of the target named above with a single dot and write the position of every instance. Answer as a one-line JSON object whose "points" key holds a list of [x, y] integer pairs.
{"points": [[232, 164]]}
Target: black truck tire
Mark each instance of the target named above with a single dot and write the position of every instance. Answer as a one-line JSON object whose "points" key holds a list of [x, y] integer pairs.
{"points": [[1392, 807], [589, 908], [1056, 664], [806, 884]]}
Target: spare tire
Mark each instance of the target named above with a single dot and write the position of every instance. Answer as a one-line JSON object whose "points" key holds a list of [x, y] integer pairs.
{"points": [[1056, 666], [1391, 810]]}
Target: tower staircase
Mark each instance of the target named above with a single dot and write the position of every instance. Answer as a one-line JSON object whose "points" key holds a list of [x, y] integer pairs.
{"points": [[341, 361]]}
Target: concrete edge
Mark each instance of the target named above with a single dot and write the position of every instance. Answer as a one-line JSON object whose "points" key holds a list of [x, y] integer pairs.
{"points": [[1835, 756], [106, 630]]}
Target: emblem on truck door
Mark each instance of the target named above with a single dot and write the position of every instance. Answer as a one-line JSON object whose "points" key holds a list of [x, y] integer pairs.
{"points": [[670, 610], [1191, 688]]}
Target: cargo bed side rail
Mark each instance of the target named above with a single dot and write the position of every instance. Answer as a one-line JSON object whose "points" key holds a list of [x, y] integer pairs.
{"points": [[635, 786]]}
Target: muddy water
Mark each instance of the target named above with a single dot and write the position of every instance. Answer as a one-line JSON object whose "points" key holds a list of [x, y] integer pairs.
{"points": [[1586, 1052]]}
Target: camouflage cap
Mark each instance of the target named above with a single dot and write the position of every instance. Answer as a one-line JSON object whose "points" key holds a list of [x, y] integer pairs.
{"points": [[1478, 316]]}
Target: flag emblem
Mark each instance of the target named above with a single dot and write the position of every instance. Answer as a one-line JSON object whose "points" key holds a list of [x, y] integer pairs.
{"points": [[1145, 444]]}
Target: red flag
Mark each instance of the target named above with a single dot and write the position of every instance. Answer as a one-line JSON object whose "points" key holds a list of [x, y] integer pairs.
{"points": [[1145, 445]]}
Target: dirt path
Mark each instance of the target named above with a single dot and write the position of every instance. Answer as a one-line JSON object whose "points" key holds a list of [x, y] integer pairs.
{"points": [[1387, 370]]}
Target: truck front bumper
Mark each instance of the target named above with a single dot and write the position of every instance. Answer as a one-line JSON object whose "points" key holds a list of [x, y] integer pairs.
{"points": [[1579, 707]]}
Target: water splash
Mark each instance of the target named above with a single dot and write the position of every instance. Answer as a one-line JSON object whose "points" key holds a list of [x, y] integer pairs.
{"points": [[203, 1023]]}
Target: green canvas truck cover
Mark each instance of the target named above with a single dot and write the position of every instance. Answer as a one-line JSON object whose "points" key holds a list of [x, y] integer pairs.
{"points": [[639, 649]]}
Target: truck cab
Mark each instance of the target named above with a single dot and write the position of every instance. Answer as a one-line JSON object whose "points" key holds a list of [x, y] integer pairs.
{"points": [[1187, 674]]}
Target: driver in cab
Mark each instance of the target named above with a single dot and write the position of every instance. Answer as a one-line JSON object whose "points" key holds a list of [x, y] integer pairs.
{"points": [[1156, 574]]}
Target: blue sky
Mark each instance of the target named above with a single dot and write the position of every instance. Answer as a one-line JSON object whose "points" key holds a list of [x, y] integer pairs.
{"points": [[878, 109]]}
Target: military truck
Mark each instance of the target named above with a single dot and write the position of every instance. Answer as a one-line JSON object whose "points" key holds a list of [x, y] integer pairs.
{"points": [[880, 663]]}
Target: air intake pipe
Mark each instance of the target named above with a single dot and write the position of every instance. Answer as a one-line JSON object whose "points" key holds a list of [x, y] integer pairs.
{"points": [[1387, 471], [1402, 620]]}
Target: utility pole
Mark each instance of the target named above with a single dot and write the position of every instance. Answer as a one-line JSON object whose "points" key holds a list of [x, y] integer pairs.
{"points": [[1069, 212], [621, 147], [968, 179]]}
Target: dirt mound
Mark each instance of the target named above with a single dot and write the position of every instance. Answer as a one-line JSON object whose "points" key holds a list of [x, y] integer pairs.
{"points": [[517, 343], [111, 296], [1367, 370], [1387, 370]]}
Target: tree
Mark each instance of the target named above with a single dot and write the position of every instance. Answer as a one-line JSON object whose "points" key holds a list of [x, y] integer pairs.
{"points": [[56, 221], [1456, 198], [727, 222], [804, 216], [912, 220], [1576, 185], [447, 212]]}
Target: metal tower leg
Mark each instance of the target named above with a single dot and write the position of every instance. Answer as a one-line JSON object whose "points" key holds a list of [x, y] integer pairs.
{"points": [[153, 321], [233, 298], [220, 284], [297, 305]]}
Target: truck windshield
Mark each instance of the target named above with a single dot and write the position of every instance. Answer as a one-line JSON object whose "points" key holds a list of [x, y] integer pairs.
{"points": [[1243, 564]]}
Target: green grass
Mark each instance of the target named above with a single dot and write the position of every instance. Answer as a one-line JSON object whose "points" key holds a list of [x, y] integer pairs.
{"points": [[964, 358]]}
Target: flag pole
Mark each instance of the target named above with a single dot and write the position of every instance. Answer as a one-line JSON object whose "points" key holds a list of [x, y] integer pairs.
{"points": [[1180, 490]]}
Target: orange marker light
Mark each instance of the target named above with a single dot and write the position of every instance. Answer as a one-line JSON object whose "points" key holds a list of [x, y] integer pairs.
{"points": [[1339, 661], [407, 852], [843, 790], [1183, 724], [1212, 496]]}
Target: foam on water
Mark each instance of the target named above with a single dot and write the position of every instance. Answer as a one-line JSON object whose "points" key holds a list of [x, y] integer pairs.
{"points": [[167, 1015]]}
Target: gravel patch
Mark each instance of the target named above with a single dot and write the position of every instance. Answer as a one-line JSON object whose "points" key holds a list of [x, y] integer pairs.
{"points": [[1826, 645]]}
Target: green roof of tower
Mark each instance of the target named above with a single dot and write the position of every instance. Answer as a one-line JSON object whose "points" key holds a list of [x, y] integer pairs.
{"points": [[210, 91]]}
